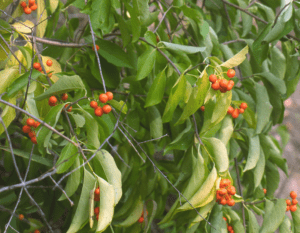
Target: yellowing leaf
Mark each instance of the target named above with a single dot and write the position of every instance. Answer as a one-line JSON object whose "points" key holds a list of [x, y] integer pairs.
{"points": [[236, 59], [41, 17], [20, 26], [56, 68]]}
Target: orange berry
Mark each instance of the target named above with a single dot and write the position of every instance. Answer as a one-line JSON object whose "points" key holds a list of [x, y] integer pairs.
{"points": [[103, 98], [223, 201], [40, 69], [215, 85], [230, 85], [241, 111], [225, 219], [97, 47], [288, 202], [293, 195], [235, 114], [23, 4], [231, 202], [243, 105], [202, 108], [223, 90], [51, 104], [98, 112], [36, 124], [97, 191], [50, 75], [93, 104], [33, 7], [219, 197], [64, 96], [34, 141], [49, 63], [232, 231], [231, 73], [21, 217], [213, 78], [222, 191], [106, 109], [70, 109], [230, 110], [96, 198], [231, 190], [36, 231], [36, 65], [265, 191], [31, 134], [110, 95], [293, 208], [26, 129], [96, 210], [294, 201], [229, 228], [31, 2], [287, 208], [27, 10], [224, 83], [141, 219], [30, 122], [52, 100]]}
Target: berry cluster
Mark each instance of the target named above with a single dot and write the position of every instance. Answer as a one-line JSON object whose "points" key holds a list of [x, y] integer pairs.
{"points": [[141, 219], [225, 192], [97, 47], [31, 6], [27, 129], [53, 100], [236, 112], [103, 98], [37, 231], [97, 198], [292, 205], [38, 67], [220, 84], [229, 228]]}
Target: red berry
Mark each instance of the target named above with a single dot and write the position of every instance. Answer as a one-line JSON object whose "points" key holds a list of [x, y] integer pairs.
{"points": [[26, 129], [241, 110], [225, 219], [110, 95], [34, 141], [103, 98], [235, 114], [106, 109], [265, 191], [97, 191], [202, 108], [96, 210], [293, 208], [96, 198], [98, 112], [33, 7], [229, 228], [93, 104], [293, 195], [215, 85], [231, 202], [243, 105], [287, 208], [231, 190], [141, 219], [64, 96], [97, 47], [30, 122], [40, 69], [21, 217], [288, 202], [230, 85], [36, 65], [294, 201], [223, 201], [70, 108], [31, 134], [213, 78], [27, 10], [231, 73], [224, 83], [36, 231], [222, 191], [31, 2], [36, 124], [52, 100], [49, 63], [23, 4], [230, 110]]}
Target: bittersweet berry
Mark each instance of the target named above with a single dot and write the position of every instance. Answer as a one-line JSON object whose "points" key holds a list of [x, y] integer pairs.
{"points": [[231, 73], [96, 210], [294, 201], [36, 124], [106, 109], [229, 228], [23, 4], [36, 65], [202, 108], [224, 83], [26, 129], [21, 217], [288, 202], [98, 112], [243, 105], [293, 195], [230, 85], [64, 96], [33, 7], [97, 47], [141, 219], [215, 85], [96, 198], [49, 63], [97, 191], [36, 231], [93, 104], [31, 134], [287, 208], [230, 110], [241, 111], [213, 78], [110, 95], [103, 98], [230, 202], [52, 100], [27, 10], [31, 2], [70, 108], [34, 141], [231, 190], [235, 114], [223, 201], [30, 122], [225, 219], [265, 191], [222, 191], [293, 208]]}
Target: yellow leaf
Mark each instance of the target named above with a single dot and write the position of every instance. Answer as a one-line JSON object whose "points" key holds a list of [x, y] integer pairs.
{"points": [[41, 18], [236, 59], [20, 27], [56, 68]]}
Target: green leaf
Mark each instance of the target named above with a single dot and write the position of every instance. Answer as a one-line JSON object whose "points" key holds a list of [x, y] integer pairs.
{"points": [[277, 83], [145, 63], [156, 125], [157, 89], [73, 181], [82, 209], [124, 28], [221, 107], [272, 177], [263, 107], [182, 48], [118, 105], [112, 173], [278, 67], [134, 215], [113, 54], [63, 85], [51, 119], [107, 200], [258, 48], [259, 170], [246, 19], [216, 219], [285, 226], [250, 118], [41, 17], [196, 99], [236, 59], [26, 155], [151, 38], [91, 130], [296, 219], [217, 150], [226, 130], [253, 224], [8, 114], [253, 150], [177, 94], [135, 20], [8, 76], [67, 157], [274, 218]]}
